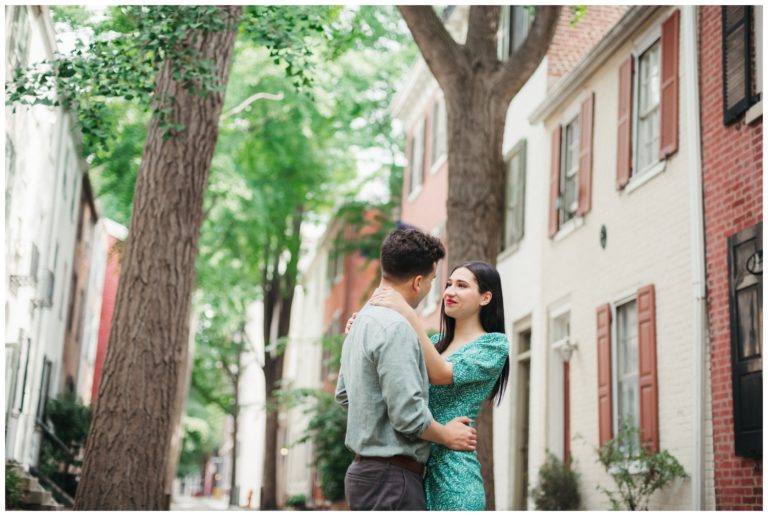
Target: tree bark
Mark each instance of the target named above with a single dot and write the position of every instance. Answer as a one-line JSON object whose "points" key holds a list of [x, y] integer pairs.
{"points": [[128, 445], [281, 290], [478, 89]]}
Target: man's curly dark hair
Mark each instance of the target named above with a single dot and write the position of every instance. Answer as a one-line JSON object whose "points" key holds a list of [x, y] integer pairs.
{"points": [[409, 252]]}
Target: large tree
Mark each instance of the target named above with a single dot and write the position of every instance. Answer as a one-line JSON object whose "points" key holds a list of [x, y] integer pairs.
{"points": [[126, 453], [478, 88], [176, 60]]}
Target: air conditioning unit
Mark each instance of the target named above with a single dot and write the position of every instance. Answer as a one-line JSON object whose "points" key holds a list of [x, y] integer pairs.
{"points": [[24, 262], [45, 287]]}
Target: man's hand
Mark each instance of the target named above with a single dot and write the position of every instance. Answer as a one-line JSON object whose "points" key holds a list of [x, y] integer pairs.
{"points": [[349, 323], [459, 436]]}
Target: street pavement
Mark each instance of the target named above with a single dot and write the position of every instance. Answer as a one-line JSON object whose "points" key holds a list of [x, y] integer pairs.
{"points": [[200, 503]]}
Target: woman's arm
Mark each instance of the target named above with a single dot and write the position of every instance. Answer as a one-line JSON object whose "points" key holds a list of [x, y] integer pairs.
{"points": [[439, 370]]}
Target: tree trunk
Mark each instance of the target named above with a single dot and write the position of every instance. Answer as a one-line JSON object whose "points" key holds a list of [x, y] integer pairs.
{"points": [[475, 213], [128, 445], [234, 491], [279, 293]]}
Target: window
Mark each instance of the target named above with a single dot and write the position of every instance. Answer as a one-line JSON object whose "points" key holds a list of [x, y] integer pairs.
{"points": [[522, 426], [647, 109], [514, 24], [417, 159], [627, 381], [626, 376], [741, 83], [514, 220], [558, 438], [439, 135], [745, 300], [45, 389], [335, 266], [569, 169]]}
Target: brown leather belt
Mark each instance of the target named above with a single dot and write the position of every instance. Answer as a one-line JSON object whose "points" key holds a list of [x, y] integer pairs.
{"points": [[399, 460]]}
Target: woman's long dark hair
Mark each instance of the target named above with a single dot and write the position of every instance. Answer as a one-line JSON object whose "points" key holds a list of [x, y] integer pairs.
{"points": [[491, 317]]}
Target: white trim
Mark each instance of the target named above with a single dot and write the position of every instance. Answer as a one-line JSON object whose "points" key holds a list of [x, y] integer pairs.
{"points": [[414, 194], [648, 39], [615, 357], [439, 102], [754, 112], [559, 307], [637, 181], [569, 227], [509, 251]]}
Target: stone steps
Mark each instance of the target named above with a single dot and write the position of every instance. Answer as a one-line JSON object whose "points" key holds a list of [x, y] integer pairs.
{"points": [[36, 497]]}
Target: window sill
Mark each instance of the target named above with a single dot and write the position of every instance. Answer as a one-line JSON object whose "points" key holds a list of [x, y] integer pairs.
{"points": [[569, 227], [754, 112], [437, 165], [509, 251], [638, 181], [414, 194]]}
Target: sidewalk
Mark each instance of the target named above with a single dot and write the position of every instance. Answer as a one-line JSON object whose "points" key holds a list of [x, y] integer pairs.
{"points": [[200, 503]]}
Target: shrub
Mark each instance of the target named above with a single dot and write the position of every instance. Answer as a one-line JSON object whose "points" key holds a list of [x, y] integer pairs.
{"points": [[13, 492], [636, 472], [558, 488]]}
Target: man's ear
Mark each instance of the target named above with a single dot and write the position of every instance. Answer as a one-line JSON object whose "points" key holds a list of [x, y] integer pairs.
{"points": [[416, 282]]}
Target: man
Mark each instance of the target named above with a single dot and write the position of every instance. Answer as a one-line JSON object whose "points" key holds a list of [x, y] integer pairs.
{"points": [[384, 386]]}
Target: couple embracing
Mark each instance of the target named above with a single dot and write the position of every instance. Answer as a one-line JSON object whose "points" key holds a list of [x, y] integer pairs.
{"points": [[412, 399]]}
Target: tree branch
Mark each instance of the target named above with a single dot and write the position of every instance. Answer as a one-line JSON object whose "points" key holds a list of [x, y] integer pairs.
{"points": [[521, 65], [438, 48], [250, 100], [481, 34]]}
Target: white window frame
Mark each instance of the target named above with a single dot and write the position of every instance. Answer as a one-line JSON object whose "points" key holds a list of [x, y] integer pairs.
{"points": [[622, 300], [555, 411], [641, 45], [437, 160], [514, 153], [417, 149], [506, 31], [573, 172]]}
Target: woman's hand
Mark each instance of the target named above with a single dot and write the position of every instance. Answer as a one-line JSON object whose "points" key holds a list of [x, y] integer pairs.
{"points": [[390, 298], [349, 323]]}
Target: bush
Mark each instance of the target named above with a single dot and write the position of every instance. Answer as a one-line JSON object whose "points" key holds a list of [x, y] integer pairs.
{"points": [[636, 472], [558, 488], [13, 493], [297, 501]]}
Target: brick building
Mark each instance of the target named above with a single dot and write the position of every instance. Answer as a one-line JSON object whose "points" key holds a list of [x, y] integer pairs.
{"points": [[732, 167]]}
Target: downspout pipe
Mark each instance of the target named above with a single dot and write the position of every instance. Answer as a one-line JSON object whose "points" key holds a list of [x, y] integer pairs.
{"points": [[698, 271]]}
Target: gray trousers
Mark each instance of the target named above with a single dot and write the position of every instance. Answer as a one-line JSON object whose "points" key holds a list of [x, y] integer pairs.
{"points": [[378, 486]]}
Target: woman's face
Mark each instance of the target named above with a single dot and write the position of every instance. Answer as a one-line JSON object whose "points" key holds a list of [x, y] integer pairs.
{"points": [[462, 295]]}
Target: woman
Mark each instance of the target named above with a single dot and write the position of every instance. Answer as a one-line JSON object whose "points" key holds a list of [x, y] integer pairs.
{"points": [[467, 363]]}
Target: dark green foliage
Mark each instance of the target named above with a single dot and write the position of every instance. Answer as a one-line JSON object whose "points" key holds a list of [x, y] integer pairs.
{"points": [[327, 430], [636, 472], [13, 493], [70, 420], [558, 487]]}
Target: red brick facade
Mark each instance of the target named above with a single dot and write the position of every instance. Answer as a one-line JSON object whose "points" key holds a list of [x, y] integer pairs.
{"points": [[732, 163], [572, 42]]}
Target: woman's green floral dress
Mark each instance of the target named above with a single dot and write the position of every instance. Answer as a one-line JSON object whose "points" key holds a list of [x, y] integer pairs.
{"points": [[453, 481]]}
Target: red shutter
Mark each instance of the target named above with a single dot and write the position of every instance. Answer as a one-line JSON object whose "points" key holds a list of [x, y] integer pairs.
{"points": [[670, 31], [585, 155], [646, 343], [624, 129], [554, 182], [604, 372], [429, 122]]}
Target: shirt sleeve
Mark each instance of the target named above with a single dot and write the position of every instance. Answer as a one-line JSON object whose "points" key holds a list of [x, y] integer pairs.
{"points": [[341, 392], [483, 361], [397, 360]]}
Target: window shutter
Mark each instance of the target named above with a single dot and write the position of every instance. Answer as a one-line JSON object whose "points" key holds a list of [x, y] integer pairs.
{"points": [[522, 172], [737, 62], [646, 344], [670, 45], [554, 182], [429, 129], [585, 155], [624, 129], [745, 299], [604, 401]]}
